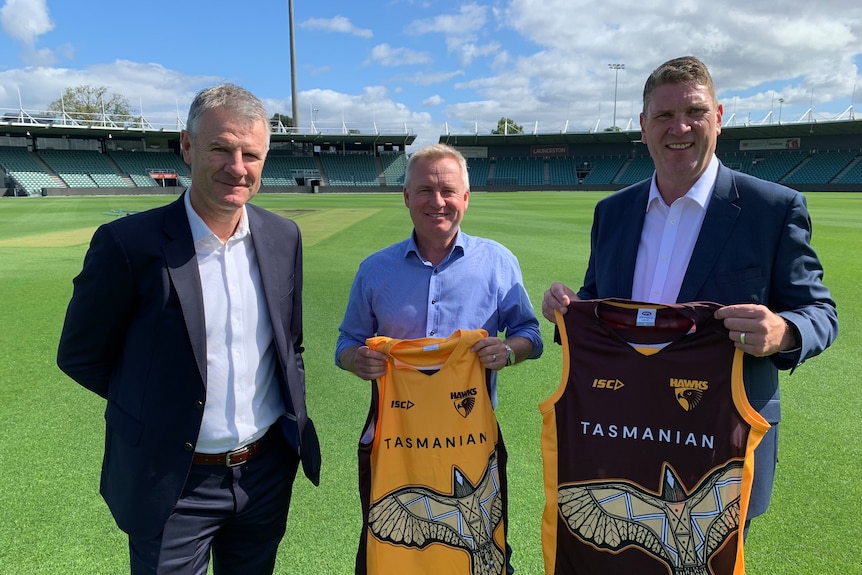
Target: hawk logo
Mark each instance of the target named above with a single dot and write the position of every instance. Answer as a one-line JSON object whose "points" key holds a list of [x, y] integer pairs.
{"points": [[688, 392], [465, 406], [464, 401]]}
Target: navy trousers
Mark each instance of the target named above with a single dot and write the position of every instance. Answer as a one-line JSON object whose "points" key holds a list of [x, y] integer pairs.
{"points": [[237, 514]]}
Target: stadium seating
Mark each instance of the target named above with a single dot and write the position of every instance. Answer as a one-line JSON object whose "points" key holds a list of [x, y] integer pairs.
{"points": [[639, 168], [350, 170], [819, 168], [739, 161], [77, 168], [852, 174], [283, 170], [604, 169], [26, 170], [139, 165], [394, 166], [519, 171], [563, 170], [773, 167], [478, 169]]}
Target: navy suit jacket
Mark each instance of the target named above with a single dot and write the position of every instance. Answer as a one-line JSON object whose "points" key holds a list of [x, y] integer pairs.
{"points": [[753, 247], [135, 334]]}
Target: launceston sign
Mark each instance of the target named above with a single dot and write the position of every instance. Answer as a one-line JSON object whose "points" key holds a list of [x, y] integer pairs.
{"points": [[545, 151]]}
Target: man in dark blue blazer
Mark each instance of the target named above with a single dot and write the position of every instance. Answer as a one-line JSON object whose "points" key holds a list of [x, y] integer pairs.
{"points": [[188, 320], [698, 231]]}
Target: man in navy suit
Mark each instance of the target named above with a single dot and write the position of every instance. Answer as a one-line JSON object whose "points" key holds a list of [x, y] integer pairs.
{"points": [[698, 231], [188, 320]]}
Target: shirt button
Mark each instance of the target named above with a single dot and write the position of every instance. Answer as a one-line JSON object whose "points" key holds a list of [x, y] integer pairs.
{"points": [[433, 302], [199, 404], [188, 446], [432, 332]]}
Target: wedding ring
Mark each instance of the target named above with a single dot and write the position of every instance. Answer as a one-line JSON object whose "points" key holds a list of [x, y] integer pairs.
{"points": [[494, 357], [742, 337]]}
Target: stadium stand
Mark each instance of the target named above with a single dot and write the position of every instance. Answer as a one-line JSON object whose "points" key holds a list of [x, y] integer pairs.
{"points": [[852, 174], [84, 168], [26, 170], [739, 161], [139, 166], [819, 168], [604, 170], [478, 169], [519, 171], [350, 170], [394, 166], [639, 168], [563, 171], [775, 166], [64, 159], [280, 170]]}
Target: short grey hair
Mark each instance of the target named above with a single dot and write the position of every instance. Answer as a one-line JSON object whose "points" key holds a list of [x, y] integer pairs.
{"points": [[237, 100], [437, 152]]}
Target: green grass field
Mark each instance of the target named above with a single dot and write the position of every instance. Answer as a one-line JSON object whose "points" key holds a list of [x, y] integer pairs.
{"points": [[53, 521]]}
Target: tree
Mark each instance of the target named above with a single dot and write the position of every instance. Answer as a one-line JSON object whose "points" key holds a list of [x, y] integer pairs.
{"points": [[507, 126], [281, 119], [93, 105]]}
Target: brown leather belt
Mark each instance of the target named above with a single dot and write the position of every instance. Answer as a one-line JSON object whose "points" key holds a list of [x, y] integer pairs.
{"points": [[237, 456]]}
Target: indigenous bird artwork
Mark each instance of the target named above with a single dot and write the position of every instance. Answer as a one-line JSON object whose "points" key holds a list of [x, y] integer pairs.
{"points": [[464, 519], [681, 529]]}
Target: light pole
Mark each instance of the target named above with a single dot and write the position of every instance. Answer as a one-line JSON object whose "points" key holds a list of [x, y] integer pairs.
{"points": [[780, 104], [616, 68]]}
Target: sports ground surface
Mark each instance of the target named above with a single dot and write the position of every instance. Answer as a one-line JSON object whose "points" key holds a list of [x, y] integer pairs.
{"points": [[53, 521]]}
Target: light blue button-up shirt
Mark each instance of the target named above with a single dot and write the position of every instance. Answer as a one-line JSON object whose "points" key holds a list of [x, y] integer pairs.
{"points": [[398, 294]]}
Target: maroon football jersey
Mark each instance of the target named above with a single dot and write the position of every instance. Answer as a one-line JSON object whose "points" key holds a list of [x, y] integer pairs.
{"points": [[647, 444]]}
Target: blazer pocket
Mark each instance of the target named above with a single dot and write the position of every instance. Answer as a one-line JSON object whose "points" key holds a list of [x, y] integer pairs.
{"points": [[123, 425]]}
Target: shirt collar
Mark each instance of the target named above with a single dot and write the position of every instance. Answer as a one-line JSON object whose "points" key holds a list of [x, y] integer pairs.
{"points": [[461, 241], [201, 232], [700, 192]]}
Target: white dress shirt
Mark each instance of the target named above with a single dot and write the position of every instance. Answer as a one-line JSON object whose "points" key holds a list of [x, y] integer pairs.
{"points": [[243, 398], [668, 238]]}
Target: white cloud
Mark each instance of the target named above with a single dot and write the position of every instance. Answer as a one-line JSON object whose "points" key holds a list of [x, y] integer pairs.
{"points": [[470, 18], [386, 55], [336, 24], [26, 20], [433, 101]]}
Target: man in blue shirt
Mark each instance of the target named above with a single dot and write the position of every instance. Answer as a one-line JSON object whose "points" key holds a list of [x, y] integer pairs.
{"points": [[439, 279]]}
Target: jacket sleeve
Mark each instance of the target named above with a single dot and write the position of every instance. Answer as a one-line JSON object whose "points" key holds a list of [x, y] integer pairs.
{"points": [[98, 314], [798, 293]]}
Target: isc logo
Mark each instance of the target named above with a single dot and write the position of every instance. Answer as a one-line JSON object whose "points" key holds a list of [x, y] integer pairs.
{"points": [[611, 384], [402, 404]]}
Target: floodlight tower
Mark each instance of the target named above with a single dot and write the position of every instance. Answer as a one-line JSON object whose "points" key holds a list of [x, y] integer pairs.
{"points": [[293, 68], [616, 68]]}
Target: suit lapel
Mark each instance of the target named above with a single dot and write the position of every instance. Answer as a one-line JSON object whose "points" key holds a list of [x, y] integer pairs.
{"points": [[182, 263], [270, 274], [721, 213], [631, 223]]}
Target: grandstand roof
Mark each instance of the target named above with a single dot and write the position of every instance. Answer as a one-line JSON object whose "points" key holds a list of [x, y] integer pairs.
{"points": [[45, 127], [746, 132]]}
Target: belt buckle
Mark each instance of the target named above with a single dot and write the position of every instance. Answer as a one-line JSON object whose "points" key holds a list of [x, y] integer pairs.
{"points": [[230, 454]]}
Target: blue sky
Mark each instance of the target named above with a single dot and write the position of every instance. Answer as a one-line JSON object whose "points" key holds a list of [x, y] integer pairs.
{"points": [[428, 66]]}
